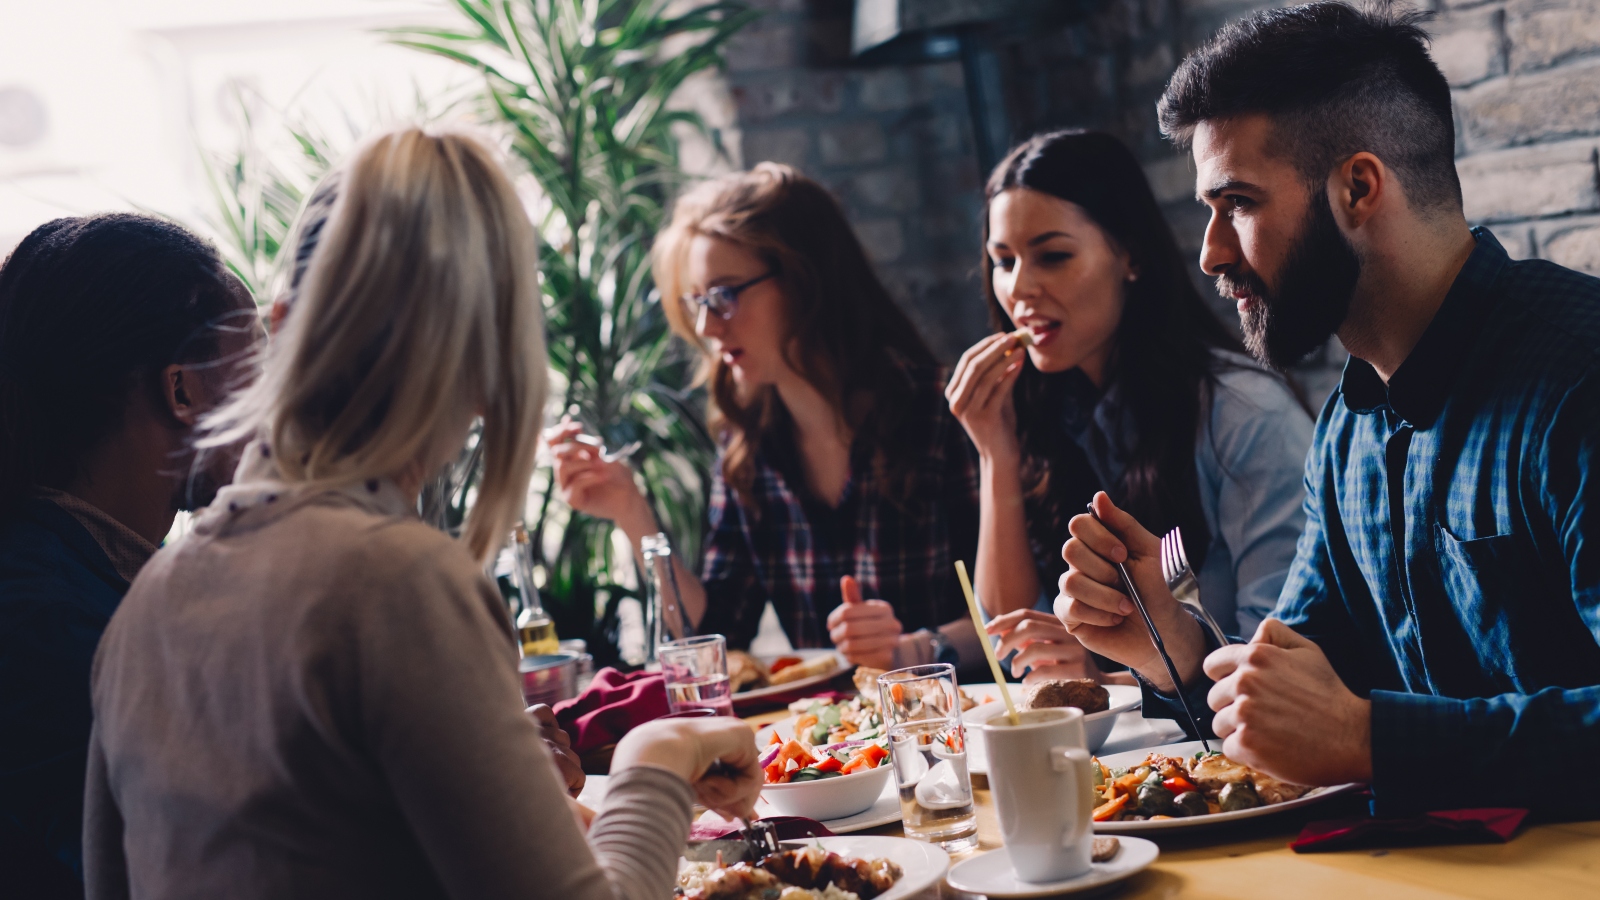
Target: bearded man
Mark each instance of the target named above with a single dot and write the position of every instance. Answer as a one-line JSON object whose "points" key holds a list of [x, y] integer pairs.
{"points": [[118, 332], [1439, 632]]}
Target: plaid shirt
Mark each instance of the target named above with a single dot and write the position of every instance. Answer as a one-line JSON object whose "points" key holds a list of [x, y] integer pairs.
{"points": [[765, 548], [1479, 646]]}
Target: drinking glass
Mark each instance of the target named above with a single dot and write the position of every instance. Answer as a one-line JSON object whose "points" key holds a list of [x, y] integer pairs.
{"points": [[696, 672], [928, 745]]}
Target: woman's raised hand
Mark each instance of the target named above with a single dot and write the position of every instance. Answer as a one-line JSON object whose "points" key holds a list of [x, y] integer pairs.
{"points": [[1043, 645], [717, 756], [590, 484], [979, 393]]}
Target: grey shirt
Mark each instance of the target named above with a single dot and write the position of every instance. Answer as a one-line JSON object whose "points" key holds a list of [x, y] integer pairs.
{"points": [[314, 695]]}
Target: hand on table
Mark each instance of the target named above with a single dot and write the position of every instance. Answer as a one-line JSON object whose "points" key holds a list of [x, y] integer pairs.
{"points": [[588, 483], [980, 394], [865, 631], [1094, 609], [1042, 643], [1282, 709], [717, 756], [560, 744]]}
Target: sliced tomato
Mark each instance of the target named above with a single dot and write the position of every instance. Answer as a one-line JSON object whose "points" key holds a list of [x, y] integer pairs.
{"points": [[829, 764], [784, 662]]}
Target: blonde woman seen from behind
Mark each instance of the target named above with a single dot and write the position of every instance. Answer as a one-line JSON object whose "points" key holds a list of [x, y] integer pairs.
{"points": [[316, 695]]}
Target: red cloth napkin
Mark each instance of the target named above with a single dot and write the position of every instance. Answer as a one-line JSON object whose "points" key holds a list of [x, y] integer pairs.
{"points": [[1451, 826], [613, 705], [787, 828]]}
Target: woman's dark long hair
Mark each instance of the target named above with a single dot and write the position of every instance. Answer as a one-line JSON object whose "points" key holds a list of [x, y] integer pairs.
{"points": [[90, 307], [1161, 362], [846, 336]]}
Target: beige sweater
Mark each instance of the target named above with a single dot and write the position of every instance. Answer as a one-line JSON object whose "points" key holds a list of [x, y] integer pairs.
{"points": [[315, 696]]}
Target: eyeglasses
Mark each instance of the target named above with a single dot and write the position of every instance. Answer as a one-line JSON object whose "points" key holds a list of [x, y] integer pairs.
{"points": [[723, 301]]}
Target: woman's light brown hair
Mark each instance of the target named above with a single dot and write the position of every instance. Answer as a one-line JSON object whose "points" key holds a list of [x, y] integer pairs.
{"points": [[845, 335], [419, 309]]}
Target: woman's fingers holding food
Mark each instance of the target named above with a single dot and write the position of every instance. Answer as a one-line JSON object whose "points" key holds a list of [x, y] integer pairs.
{"points": [[964, 364], [979, 372]]}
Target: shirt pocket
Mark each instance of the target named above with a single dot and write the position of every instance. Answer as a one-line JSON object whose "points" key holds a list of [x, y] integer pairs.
{"points": [[1483, 579]]}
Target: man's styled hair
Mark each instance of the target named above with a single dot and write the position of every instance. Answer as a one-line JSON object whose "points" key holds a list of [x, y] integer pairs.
{"points": [[1336, 80], [92, 308]]}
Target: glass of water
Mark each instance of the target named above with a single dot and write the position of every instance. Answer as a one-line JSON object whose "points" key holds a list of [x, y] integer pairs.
{"points": [[922, 710], [696, 672]]}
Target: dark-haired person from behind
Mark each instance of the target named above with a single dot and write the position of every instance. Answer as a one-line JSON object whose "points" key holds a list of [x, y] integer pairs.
{"points": [[117, 332], [1440, 629], [1129, 384]]}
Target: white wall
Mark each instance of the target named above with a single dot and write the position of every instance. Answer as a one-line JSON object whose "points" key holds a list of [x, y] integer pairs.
{"points": [[127, 87]]}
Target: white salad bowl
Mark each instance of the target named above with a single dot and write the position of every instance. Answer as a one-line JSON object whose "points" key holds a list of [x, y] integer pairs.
{"points": [[829, 798]]}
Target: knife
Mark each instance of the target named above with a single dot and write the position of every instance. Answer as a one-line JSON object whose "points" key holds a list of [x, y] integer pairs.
{"points": [[1155, 638]]}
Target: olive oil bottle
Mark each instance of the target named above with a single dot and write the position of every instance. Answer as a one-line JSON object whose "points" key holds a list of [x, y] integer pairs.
{"points": [[535, 628]]}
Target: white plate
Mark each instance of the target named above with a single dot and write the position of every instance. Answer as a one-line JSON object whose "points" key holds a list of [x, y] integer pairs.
{"points": [[1123, 699], [777, 692], [990, 873], [922, 865], [1188, 823]]}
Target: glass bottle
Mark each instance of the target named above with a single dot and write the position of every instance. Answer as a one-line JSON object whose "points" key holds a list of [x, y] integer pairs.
{"points": [[664, 618], [535, 628]]}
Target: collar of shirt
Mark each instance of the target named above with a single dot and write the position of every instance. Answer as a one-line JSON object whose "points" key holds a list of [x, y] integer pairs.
{"points": [[1419, 388], [127, 551], [260, 494]]}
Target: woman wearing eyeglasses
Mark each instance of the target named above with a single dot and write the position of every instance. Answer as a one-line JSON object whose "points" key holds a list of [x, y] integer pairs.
{"points": [[841, 473]]}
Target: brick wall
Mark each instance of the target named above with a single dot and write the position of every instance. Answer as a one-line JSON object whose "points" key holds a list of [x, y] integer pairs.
{"points": [[895, 142]]}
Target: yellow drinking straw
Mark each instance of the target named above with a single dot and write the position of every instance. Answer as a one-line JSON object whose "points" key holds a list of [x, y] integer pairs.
{"points": [[983, 638]]}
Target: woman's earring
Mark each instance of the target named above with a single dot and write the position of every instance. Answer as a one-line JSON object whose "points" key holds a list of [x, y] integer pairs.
{"points": [[1133, 276]]}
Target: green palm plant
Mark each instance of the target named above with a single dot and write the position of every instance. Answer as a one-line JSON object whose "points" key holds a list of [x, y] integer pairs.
{"points": [[256, 191], [581, 87]]}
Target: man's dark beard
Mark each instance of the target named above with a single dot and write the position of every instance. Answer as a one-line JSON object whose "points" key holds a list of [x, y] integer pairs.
{"points": [[1313, 294]]}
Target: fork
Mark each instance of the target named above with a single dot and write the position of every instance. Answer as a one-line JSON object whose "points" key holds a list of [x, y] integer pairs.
{"points": [[1183, 584]]}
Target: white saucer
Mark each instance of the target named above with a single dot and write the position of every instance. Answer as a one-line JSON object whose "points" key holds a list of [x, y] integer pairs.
{"points": [[990, 873]]}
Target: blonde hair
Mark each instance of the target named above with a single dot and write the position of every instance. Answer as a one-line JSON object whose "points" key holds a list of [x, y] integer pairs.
{"points": [[419, 305]]}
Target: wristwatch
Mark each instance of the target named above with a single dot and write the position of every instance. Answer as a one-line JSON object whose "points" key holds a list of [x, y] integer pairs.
{"points": [[943, 650]]}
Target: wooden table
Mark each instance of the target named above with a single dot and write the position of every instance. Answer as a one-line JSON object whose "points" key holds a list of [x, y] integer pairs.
{"points": [[1252, 860]]}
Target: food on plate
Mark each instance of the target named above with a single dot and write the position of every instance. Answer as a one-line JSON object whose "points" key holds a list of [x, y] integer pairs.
{"points": [[746, 673], [1104, 849], [866, 679], [1171, 787], [792, 668], [790, 762], [811, 873], [1083, 693], [820, 722]]}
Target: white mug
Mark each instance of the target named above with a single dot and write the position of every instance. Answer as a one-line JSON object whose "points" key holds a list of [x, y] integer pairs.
{"points": [[1043, 789]]}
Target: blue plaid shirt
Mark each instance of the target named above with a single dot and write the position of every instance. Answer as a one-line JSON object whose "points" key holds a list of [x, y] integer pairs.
{"points": [[1479, 645], [767, 546]]}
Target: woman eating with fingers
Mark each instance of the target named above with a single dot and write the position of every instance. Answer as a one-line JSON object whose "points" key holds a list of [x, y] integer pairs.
{"points": [[1107, 371], [843, 491], [314, 694]]}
